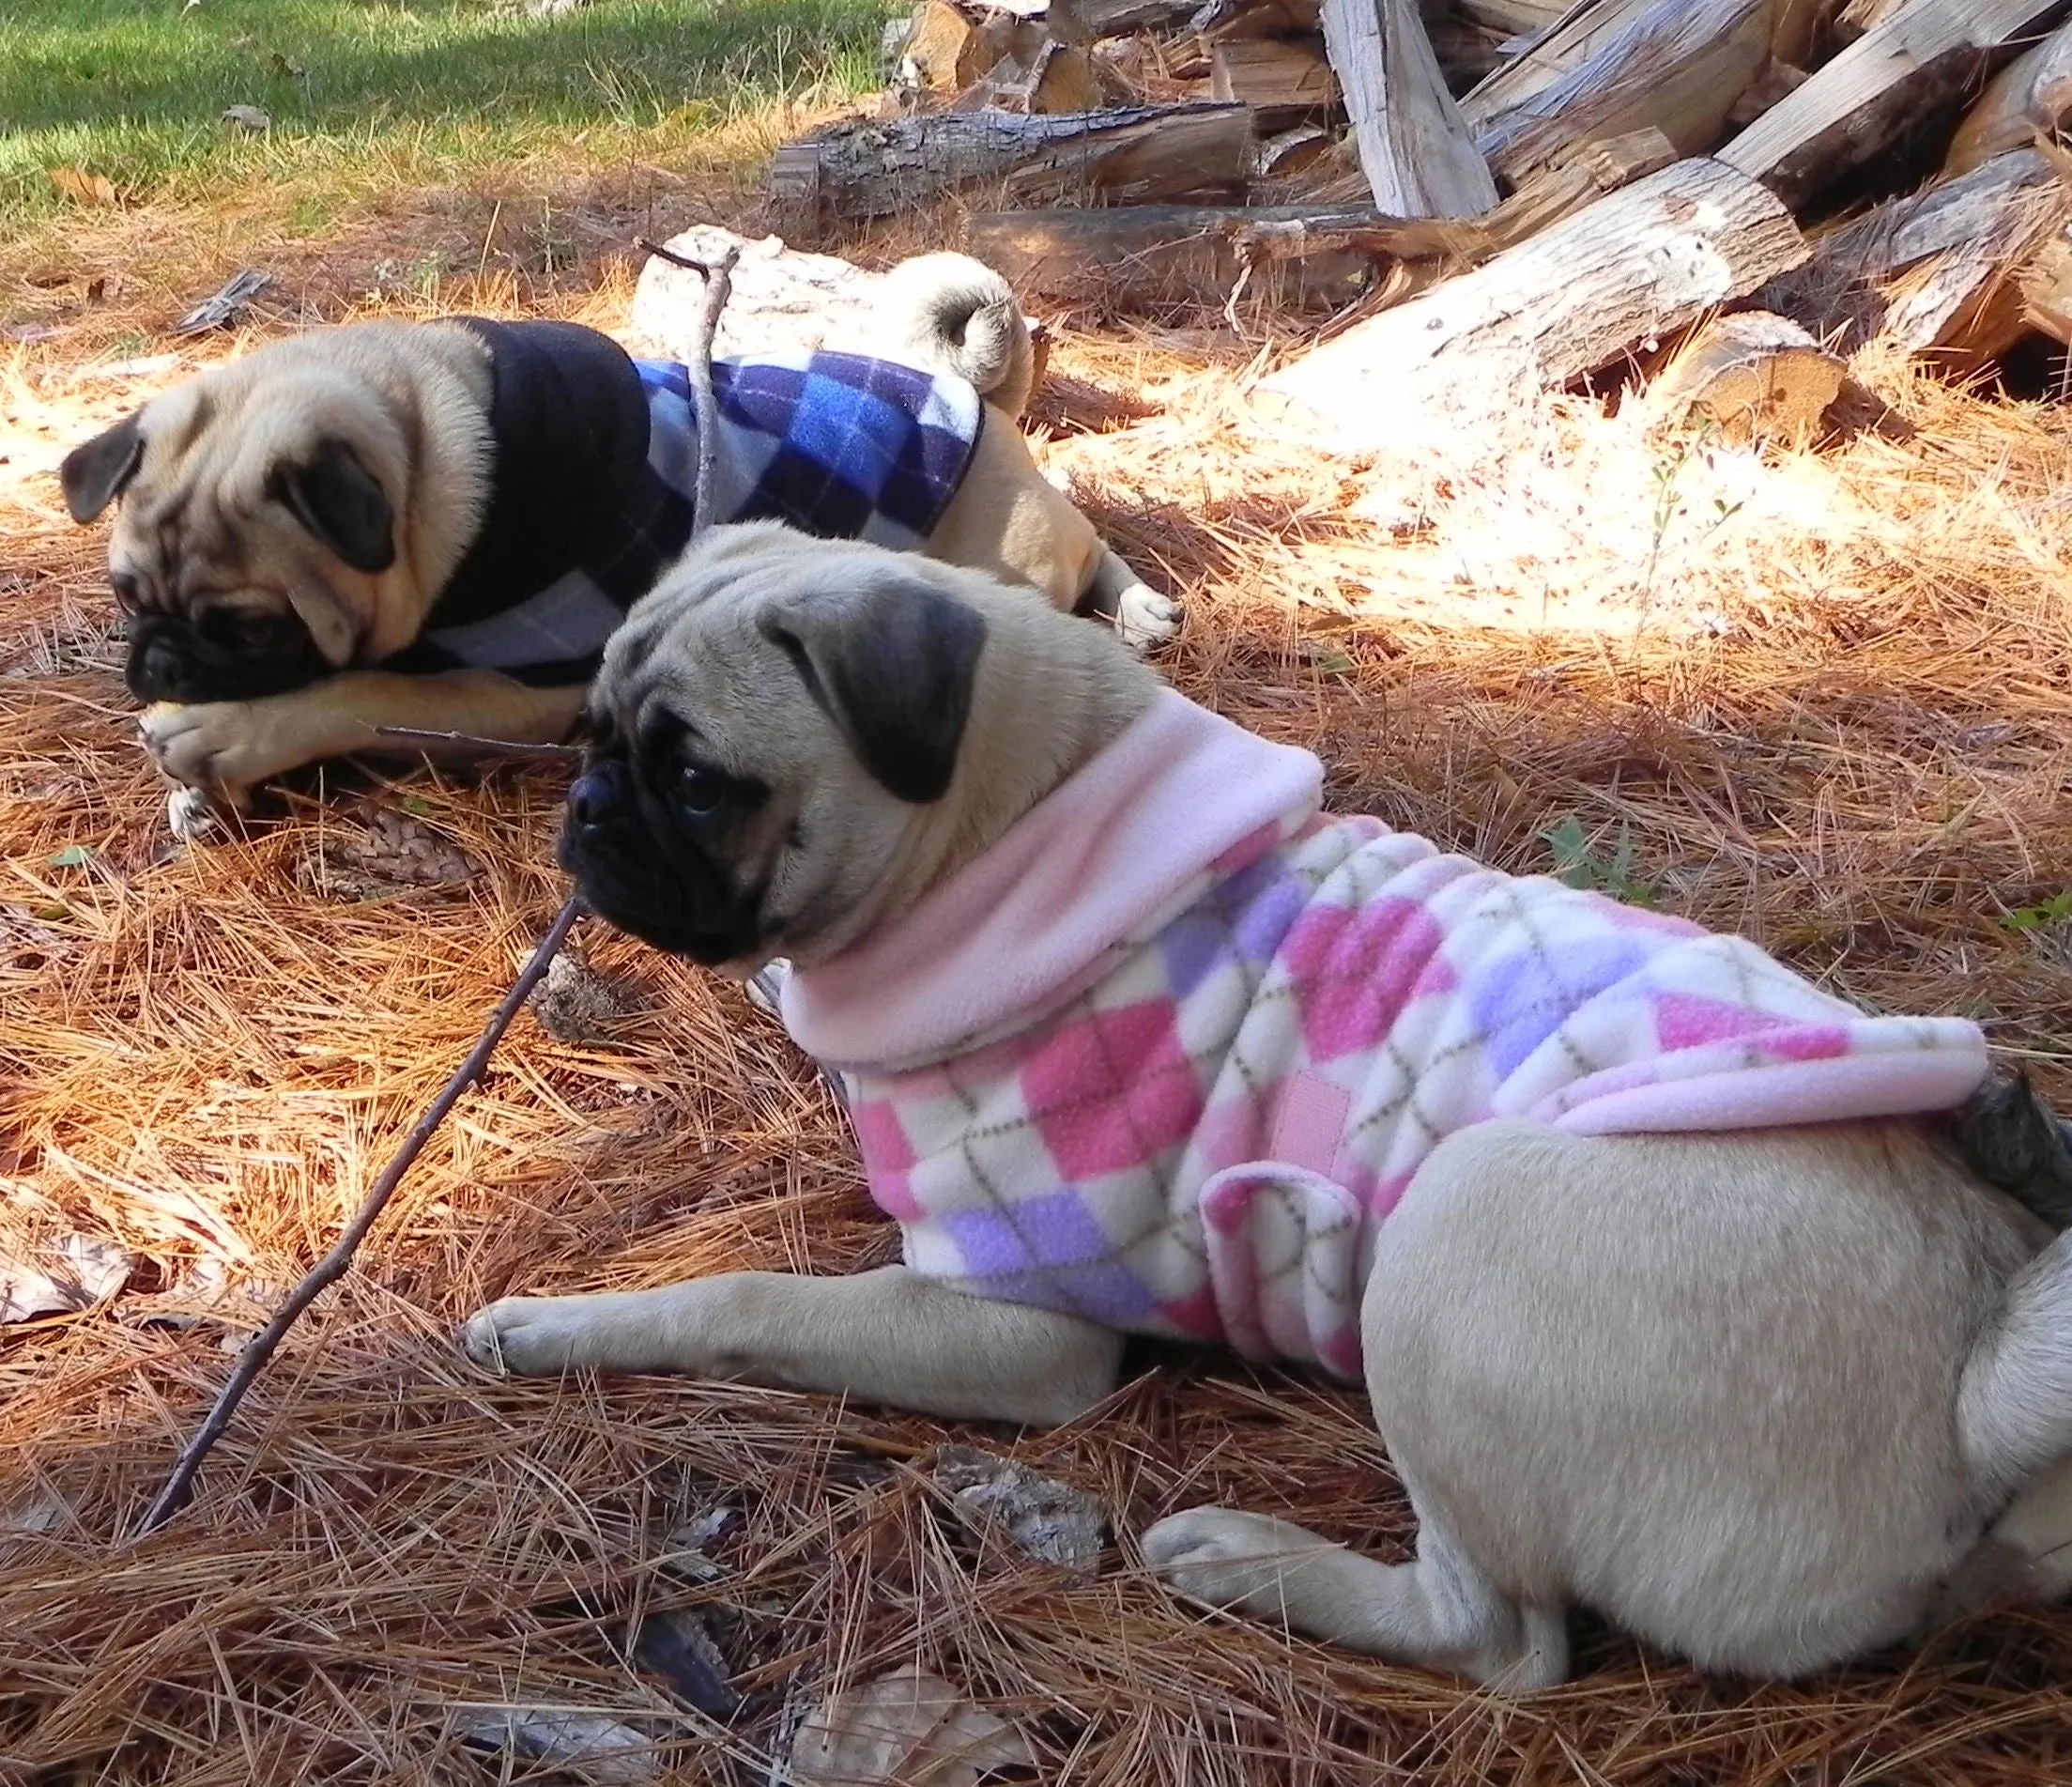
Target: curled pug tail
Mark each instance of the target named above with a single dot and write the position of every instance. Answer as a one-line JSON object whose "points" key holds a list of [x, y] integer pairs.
{"points": [[949, 313]]}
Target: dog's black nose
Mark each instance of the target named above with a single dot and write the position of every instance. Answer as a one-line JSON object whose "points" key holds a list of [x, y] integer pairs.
{"points": [[594, 795]]}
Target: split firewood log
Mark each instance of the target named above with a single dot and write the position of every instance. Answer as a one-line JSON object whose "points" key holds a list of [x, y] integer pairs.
{"points": [[1283, 81], [1413, 145], [1618, 276], [1938, 270], [1854, 108], [1751, 376], [1680, 66], [2032, 94]]}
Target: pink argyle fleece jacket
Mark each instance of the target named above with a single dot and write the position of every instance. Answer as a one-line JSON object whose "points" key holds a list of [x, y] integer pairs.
{"points": [[1168, 1052]]}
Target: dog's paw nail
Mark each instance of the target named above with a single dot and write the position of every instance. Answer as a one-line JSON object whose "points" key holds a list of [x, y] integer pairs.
{"points": [[191, 816]]}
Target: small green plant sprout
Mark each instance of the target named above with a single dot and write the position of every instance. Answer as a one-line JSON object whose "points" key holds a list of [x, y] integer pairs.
{"points": [[1578, 861], [2053, 911]]}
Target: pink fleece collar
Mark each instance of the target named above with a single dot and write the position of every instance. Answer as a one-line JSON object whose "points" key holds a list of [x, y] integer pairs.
{"points": [[1084, 869]]}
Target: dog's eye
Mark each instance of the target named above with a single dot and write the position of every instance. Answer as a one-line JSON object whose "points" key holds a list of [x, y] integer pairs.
{"points": [[701, 792]]}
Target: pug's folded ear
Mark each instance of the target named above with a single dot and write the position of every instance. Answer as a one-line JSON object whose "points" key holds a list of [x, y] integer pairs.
{"points": [[96, 471], [892, 660], [338, 501]]}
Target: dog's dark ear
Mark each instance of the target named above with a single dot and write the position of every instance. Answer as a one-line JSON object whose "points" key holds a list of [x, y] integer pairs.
{"points": [[893, 663], [336, 499], [98, 470]]}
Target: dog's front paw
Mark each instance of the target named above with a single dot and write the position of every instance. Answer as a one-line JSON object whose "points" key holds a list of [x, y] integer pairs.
{"points": [[1222, 1557], [1143, 618], [207, 745], [530, 1336]]}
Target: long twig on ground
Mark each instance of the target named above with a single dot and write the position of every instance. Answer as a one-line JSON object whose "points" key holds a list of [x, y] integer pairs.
{"points": [[333, 1266], [180, 1484]]}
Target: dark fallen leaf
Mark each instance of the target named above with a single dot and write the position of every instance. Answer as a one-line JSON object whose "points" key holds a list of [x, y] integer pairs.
{"points": [[679, 1647]]}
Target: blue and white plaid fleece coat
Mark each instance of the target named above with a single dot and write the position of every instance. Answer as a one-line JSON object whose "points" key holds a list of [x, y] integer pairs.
{"points": [[596, 465]]}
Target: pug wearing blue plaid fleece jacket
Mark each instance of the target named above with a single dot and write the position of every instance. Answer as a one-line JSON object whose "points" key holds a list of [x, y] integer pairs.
{"points": [[437, 526]]}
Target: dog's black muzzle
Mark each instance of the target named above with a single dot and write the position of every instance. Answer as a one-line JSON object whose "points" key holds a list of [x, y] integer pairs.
{"points": [[175, 659], [635, 866]]}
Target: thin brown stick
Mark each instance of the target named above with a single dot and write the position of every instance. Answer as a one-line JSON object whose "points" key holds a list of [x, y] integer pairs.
{"points": [[698, 361], [469, 743], [180, 1486], [253, 1361]]}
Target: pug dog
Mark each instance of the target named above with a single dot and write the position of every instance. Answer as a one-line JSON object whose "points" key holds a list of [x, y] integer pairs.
{"points": [[435, 526], [1671, 1296]]}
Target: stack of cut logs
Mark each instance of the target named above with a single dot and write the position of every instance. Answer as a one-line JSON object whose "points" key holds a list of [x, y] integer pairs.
{"points": [[1739, 190]]}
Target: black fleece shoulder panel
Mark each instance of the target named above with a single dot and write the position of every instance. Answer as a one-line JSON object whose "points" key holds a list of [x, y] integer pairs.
{"points": [[568, 419]]}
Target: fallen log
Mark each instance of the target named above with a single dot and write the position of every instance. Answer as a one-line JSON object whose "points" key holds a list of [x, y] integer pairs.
{"points": [[1679, 66], [1751, 376], [1854, 108], [1414, 147], [1142, 256], [2032, 93], [1594, 288], [1283, 83], [1305, 256], [1936, 271], [1128, 154]]}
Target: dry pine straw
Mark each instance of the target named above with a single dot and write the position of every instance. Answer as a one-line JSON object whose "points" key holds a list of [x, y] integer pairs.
{"points": [[1827, 700]]}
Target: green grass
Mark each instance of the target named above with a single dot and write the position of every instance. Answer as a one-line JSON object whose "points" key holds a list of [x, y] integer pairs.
{"points": [[368, 92]]}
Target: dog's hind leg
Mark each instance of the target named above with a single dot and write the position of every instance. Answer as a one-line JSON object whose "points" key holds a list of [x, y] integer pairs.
{"points": [[1439, 1612], [887, 1337]]}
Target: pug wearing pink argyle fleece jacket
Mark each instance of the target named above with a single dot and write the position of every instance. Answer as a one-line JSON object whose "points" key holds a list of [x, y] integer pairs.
{"points": [[1668, 1299]]}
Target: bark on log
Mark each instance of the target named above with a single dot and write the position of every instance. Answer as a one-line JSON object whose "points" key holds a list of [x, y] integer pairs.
{"points": [[1125, 153], [2032, 93], [1853, 108], [1679, 66], [1282, 82], [1628, 270], [1935, 272], [1413, 145], [1750, 375]]}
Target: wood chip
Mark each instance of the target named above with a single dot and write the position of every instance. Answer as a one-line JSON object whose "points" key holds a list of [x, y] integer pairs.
{"points": [[1007, 1505]]}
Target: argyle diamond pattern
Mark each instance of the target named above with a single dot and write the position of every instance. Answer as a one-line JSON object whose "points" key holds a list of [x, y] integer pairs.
{"points": [[1201, 1144]]}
